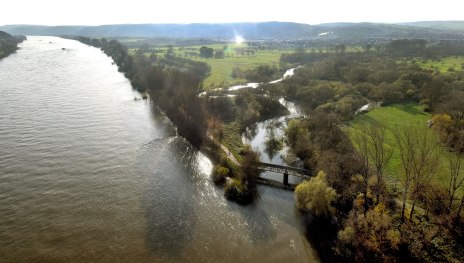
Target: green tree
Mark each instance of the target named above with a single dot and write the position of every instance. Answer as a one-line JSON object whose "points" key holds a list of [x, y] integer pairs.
{"points": [[206, 52], [298, 138], [249, 173], [219, 54], [219, 174]]}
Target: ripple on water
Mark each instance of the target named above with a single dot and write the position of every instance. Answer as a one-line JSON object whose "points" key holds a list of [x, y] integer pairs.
{"points": [[87, 174]]}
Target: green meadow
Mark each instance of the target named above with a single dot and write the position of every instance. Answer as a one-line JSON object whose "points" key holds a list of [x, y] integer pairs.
{"points": [[221, 69], [446, 64], [396, 117]]}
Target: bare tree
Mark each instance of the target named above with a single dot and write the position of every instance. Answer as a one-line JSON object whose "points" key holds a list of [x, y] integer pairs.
{"points": [[406, 143], [373, 155], [426, 162], [456, 179], [419, 158], [380, 153], [361, 143]]}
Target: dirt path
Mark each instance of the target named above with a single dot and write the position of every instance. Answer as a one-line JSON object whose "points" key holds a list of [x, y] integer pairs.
{"points": [[229, 154]]}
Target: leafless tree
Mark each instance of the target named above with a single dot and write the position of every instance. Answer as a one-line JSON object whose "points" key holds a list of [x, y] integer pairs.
{"points": [[456, 178], [419, 159], [426, 162], [373, 154], [361, 143], [405, 139], [379, 152]]}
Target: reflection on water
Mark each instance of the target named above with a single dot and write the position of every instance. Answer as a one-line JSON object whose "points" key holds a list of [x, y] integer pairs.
{"points": [[264, 137], [254, 85], [87, 174]]}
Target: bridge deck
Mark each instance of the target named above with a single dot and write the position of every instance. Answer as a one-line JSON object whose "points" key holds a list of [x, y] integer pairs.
{"points": [[284, 169]]}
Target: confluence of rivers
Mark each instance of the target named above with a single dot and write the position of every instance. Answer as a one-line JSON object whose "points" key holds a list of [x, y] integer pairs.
{"points": [[87, 174]]}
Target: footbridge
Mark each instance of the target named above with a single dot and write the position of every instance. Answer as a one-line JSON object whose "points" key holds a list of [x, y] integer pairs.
{"points": [[285, 170]]}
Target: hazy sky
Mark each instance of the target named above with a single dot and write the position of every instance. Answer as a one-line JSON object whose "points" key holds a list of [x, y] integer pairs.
{"points": [[97, 12]]}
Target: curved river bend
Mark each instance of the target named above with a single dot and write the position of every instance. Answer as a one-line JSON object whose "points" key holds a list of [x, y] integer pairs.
{"points": [[87, 174]]}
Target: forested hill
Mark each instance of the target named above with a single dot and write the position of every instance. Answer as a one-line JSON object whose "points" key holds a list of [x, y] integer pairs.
{"points": [[271, 30], [5, 36], [8, 43], [448, 25]]}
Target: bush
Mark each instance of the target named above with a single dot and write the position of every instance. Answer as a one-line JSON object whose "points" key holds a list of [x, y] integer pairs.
{"points": [[239, 192], [231, 189], [219, 174], [248, 172], [316, 196]]}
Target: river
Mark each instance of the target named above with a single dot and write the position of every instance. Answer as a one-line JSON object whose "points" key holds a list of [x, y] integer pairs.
{"points": [[88, 174], [257, 135]]}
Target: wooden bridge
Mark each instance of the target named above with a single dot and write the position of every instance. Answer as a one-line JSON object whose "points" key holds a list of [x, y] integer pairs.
{"points": [[285, 170]]}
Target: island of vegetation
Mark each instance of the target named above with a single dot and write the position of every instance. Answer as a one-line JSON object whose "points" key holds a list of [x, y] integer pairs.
{"points": [[383, 133]]}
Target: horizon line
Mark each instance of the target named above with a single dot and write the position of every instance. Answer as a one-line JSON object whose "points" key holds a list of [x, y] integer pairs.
{"points": [[222, 23]]}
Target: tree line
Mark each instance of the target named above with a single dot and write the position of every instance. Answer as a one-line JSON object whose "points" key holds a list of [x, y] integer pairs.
{"points": [[174, 84], [9, 44], [392, 49]]}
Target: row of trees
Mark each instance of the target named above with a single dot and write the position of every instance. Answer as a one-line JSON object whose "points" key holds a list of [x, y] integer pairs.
{"points": [[395, 48], [262, 73], [9, 44], [174, 85]]}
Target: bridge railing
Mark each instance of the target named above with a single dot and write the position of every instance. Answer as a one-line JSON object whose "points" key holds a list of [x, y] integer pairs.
{"points": [[282, 169]]}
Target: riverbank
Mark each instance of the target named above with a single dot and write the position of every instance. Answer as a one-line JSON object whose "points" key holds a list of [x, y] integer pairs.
{"points": [[9, 44], [95, 176]]}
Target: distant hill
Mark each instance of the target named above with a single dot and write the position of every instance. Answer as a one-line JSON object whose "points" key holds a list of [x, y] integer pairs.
{"points": [[264, 30], [446, 25]]}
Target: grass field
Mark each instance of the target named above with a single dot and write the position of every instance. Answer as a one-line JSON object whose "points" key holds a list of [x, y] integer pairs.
{"points": [[221, 69], [397, 117], [232, 138], [443, 65]]}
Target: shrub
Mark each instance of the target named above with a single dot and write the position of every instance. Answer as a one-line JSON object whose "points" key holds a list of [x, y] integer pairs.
{"points": [[239, 192], [219, 174], [316, 196], [231, 189]]}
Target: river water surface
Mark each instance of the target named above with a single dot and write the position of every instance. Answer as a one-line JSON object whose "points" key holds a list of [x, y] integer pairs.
{"points": [[87, 174]]}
